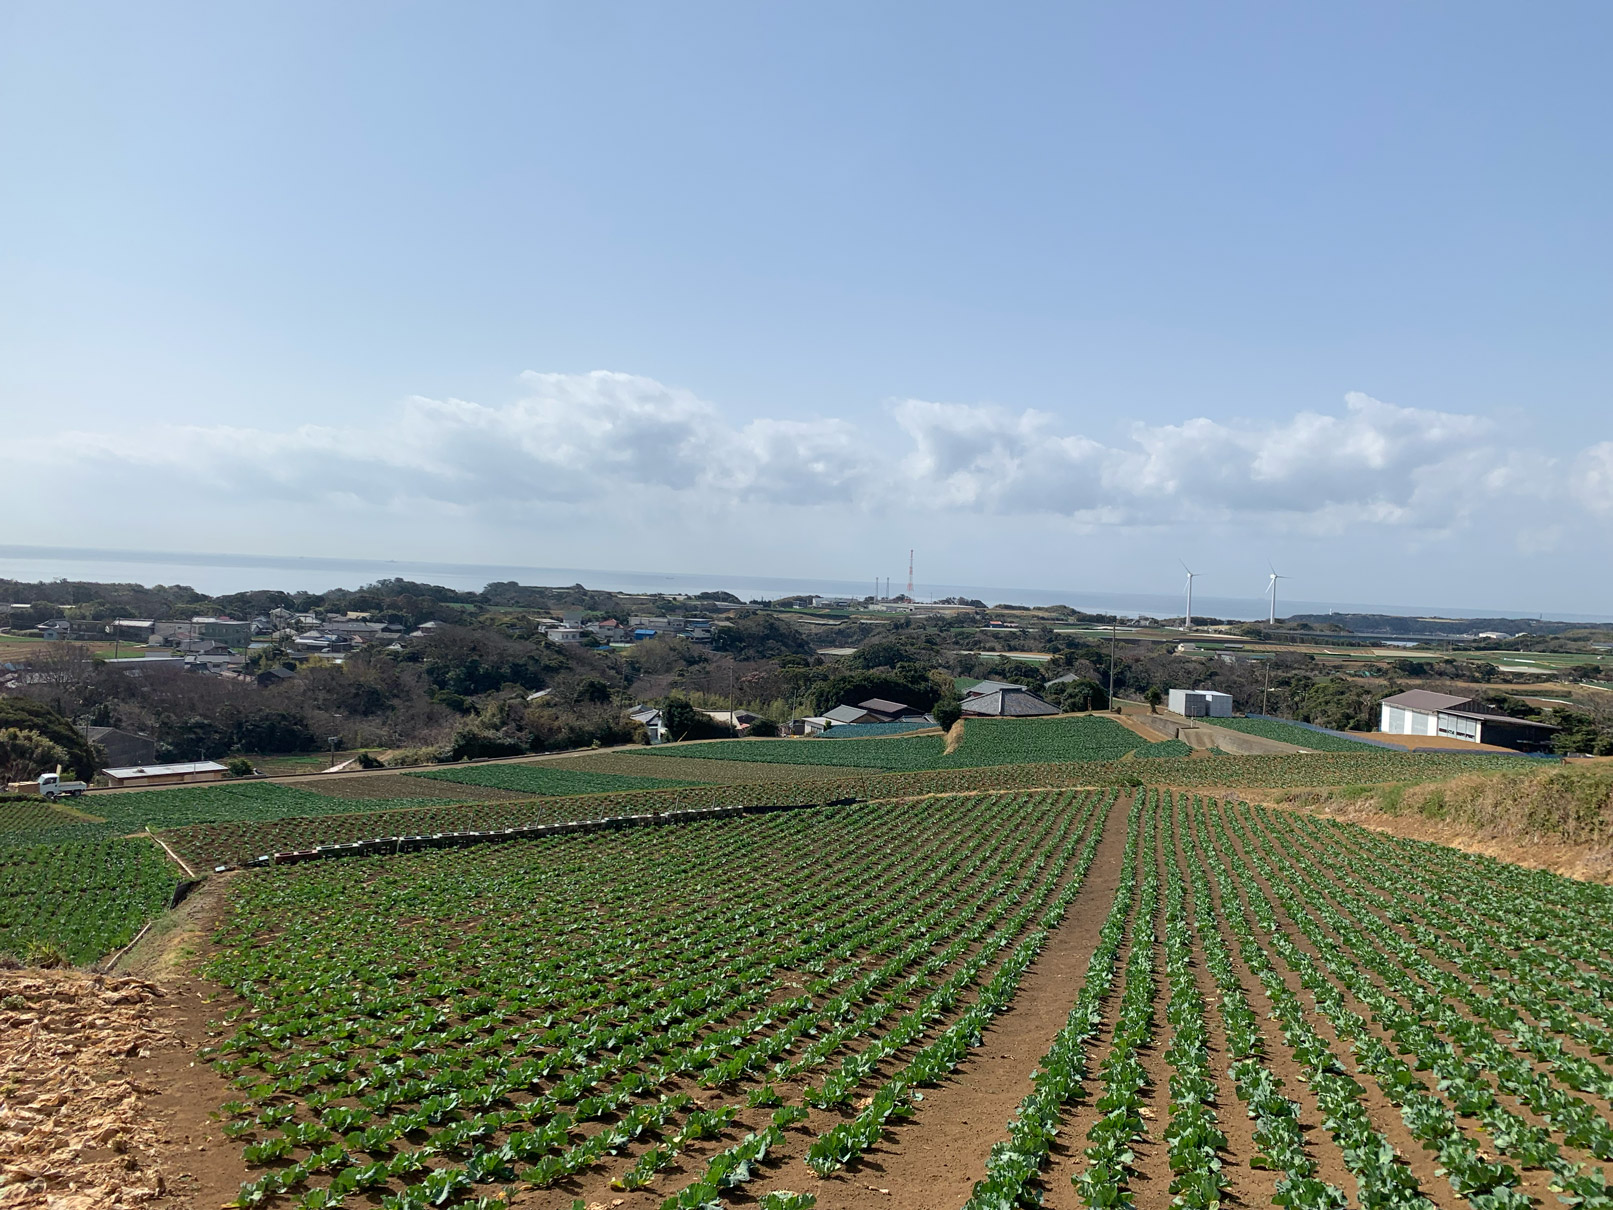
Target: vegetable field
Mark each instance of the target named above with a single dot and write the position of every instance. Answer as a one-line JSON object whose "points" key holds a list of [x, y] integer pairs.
{"points": [[237, 841], [986, 742], [1288, 733], [82, 899], [1196, 1003], [547, 778], [241, 800]]}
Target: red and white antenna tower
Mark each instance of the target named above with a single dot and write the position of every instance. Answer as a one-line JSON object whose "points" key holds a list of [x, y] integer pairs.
{"points": [[910, 575]]}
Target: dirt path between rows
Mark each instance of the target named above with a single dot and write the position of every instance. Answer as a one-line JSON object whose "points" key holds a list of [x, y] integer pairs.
{"points": [[933, 1163]]}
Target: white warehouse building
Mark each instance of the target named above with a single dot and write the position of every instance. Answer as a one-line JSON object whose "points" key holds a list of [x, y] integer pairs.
{"points": [[1424, 712], [1200, 703]]}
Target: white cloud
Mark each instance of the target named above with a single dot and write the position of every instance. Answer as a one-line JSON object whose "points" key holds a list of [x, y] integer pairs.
{"points": [[1593, 478], [608, 442]]}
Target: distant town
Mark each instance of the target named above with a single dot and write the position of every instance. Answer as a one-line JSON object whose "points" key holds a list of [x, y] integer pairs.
{"points": [[159, 679]]}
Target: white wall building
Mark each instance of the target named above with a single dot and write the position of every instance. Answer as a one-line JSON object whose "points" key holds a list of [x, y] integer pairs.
{"points": [[1424, 712], [1200, 703]]}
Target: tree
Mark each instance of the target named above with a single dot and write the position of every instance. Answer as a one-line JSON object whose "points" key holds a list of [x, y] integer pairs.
{"points": [[909, 684], [471, 743], [682, 721], [1153, 697], [24, 755], [764, 727], [947, 712], [1083, 694], [24, 714], [592, 690], [759, 636]]}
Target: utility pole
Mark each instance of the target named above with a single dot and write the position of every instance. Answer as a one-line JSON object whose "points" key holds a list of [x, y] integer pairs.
{"points": [[1266, 692], [1114, 636], [733, 723]]}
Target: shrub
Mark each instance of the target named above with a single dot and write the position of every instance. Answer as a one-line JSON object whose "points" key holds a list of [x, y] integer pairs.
{"points": [[414, 756], [239, 766], [470, 743]]}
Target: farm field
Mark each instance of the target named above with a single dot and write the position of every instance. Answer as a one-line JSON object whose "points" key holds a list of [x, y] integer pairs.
{"points": [[872, 730], [393, 786], [979, 1000], [691, 765], [548, 778], [1288, 733], [985, 742], [233, 842], [227, 801], [81, 898]]}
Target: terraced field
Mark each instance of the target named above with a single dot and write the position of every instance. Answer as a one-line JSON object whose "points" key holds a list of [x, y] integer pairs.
{"points": [[986, 742], [80, 899], [1288, 733], [234, 842], [1005, 981], [1168, 999], [547, 778]]}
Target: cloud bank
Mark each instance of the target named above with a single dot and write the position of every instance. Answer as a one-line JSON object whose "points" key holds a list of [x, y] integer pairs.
{"points": [[619, 441]]}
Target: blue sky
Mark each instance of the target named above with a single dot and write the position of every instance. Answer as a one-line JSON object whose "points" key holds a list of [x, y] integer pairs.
{"points": [[1057, 294]]}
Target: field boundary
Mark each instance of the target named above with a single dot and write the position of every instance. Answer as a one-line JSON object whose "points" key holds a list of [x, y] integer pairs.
{"points": [[450, 840]]}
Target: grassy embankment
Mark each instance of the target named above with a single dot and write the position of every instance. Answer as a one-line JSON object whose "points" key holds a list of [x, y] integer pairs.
{"points": [[1557, 817]]}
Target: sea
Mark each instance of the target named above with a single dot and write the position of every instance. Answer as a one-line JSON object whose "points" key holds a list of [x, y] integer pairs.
{"points": [[215, 574]]}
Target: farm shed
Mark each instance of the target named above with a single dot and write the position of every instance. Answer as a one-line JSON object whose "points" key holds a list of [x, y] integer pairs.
{"points": [[122, 747], [166, 775], [1424, 712], [1200, 703]]}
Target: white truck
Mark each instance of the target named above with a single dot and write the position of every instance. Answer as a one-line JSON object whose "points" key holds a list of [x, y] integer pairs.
{"points": [[50, 785]]}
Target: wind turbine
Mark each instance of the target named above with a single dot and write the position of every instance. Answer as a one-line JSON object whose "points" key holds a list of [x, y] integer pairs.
{"points": [[1191, 575], [1271, 588]]}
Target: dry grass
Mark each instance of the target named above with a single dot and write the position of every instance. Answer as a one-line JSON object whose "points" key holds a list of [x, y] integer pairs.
{"points": [[1558, 818], [76, 1129], [954, 738]]}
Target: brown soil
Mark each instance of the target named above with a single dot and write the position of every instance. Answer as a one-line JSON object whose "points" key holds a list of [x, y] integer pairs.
{"points": [[1427, 743], [933, 1162]]}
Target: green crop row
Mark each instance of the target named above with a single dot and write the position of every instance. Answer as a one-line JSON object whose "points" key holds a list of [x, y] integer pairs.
{"points": [[234, 842], [547, 778], [80, 899]]}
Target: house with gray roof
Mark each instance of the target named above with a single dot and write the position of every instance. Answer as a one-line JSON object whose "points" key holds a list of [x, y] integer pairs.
{"points": [[1014, 701]]}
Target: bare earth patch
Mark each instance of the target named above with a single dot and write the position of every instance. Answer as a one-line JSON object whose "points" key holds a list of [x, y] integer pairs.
{"points": [[76, 1131]]}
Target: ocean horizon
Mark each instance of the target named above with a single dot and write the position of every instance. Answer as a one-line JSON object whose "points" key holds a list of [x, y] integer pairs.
{"points": [[217, 574]]}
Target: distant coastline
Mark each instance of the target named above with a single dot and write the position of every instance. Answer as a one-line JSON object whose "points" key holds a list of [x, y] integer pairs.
{"points": [[216, 574]]}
